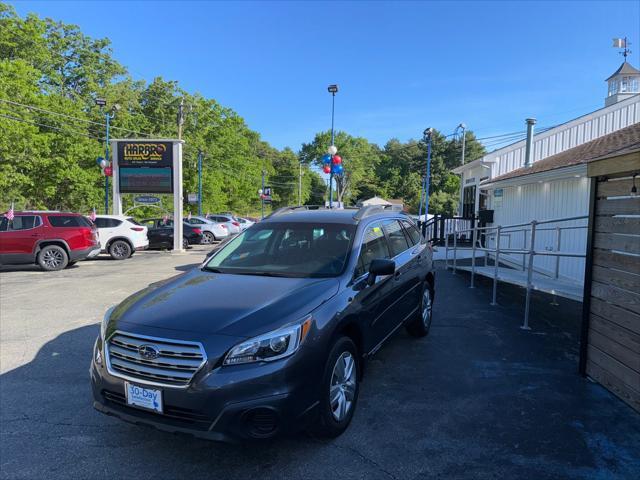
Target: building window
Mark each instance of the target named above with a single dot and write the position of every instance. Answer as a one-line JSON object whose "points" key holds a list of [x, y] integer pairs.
{"points": [[624, 85]]}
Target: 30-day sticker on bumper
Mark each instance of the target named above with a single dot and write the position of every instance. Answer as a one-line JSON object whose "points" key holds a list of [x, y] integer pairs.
{"points": [[148, 398]]}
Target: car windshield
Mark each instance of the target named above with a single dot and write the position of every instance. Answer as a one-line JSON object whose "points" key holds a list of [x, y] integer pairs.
{"points": [[286, 250]]}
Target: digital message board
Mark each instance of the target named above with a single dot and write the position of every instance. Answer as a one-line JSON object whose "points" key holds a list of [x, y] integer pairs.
{"points": [[145, 167]]}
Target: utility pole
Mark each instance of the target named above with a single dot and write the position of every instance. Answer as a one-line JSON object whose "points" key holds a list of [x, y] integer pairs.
{"points": [[299, 184], [262, 194], [200, 154], [180, 118]]}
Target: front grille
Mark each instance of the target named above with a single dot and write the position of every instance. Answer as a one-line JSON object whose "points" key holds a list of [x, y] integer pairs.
{"points": [[176, 363]]}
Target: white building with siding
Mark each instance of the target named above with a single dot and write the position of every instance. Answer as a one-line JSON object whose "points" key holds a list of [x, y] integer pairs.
{"points": [[551, 194]]}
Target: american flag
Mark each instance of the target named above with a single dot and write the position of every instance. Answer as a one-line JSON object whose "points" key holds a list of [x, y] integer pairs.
{"points": [[10, 214], [93, 216]]}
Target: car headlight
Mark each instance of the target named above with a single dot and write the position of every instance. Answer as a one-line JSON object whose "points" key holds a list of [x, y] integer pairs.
{"points": [[105, 322], [271, 346]]}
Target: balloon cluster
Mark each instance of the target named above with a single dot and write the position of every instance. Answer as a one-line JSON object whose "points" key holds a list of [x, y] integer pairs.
{"points": [[332, 163]]}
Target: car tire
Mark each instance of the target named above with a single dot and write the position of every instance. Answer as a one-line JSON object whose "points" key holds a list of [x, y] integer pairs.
{"points": [[53, 258], [120, 250], [208, 238], [338, 403], [420, 325]]}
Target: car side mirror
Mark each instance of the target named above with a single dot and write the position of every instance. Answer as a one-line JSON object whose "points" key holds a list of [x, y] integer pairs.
{"points": [[380, 267]]}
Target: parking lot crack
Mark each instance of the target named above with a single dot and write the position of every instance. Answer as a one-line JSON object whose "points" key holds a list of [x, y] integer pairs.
{"points": [[359, 454]]}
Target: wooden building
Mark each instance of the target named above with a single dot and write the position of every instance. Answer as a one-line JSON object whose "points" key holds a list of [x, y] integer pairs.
{"points": [[610, 343]]}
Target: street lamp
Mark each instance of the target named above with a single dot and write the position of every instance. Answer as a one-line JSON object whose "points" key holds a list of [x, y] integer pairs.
{"points": [[101, 102], [332, 89]]}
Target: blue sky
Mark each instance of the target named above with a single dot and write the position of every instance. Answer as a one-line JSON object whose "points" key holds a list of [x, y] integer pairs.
{"points": [[401, 66]]}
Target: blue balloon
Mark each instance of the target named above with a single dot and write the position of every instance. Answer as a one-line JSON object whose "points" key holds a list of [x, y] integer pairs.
{"points": [[337, 168], [326, 158]]}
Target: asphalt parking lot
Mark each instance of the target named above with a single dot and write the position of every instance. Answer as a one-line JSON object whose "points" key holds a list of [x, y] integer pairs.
{"points": [[477, 398]]}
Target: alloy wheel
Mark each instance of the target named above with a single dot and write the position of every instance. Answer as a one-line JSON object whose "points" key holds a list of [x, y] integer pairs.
{"points": [[53, 259], [342, 386], [120, 250], [208, 238], [427, 306]]}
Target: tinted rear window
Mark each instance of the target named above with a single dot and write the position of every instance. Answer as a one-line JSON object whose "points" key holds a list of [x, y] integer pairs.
{"points": [[69, 221], [20, 222], [414, 234]]}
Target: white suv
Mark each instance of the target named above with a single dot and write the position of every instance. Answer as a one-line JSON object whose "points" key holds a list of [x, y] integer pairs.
{"points": [[120, 236]]}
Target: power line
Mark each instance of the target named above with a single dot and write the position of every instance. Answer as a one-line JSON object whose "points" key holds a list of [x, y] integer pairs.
{"points": [[44, 110], [49, 126]]}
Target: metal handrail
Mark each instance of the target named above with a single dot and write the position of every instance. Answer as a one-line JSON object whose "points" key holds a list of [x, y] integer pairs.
{"points": [[529, 253]]}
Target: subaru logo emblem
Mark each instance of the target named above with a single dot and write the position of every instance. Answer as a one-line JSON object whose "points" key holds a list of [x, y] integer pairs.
{"points": [[148, 352]]}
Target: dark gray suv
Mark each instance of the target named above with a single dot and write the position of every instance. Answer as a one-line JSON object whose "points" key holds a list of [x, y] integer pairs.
{"points": [[270, 334]]}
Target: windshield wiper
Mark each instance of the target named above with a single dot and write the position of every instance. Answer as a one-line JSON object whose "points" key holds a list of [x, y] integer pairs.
{"points": [[211, 269], [264, 274]]}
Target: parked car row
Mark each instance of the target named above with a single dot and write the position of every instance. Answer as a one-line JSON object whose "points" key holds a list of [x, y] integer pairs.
{"points": [[55, 240]]}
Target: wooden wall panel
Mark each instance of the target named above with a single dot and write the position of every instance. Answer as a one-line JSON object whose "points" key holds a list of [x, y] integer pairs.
{"points": [[612, 292], [628, 225], [618, 206]]}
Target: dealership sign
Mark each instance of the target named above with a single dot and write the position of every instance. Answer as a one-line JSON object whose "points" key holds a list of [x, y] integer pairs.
{"points": [[145, 166], [146, 200]]}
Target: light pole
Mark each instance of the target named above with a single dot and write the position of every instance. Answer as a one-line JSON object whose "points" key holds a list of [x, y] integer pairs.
{"points": [[427, 137], [101, 102], [200, 182], [462, 127], [332, 89], [299, 184]]}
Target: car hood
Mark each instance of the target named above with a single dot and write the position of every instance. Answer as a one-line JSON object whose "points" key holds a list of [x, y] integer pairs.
{"points": [[223, 304]]}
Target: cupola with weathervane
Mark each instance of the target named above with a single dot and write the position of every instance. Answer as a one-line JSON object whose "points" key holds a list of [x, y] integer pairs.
{"points": [[625, 82]]}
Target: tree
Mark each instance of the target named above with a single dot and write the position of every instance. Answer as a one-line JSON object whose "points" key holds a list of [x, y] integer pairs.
{"points": [[359, 159]]}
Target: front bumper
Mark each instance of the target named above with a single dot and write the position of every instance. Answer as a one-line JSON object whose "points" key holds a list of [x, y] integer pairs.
{"points": [[234, 403]]}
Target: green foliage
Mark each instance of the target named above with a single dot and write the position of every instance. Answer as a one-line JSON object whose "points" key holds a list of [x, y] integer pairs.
{"points": [[359, 159], [48, 160], [53, 67]]}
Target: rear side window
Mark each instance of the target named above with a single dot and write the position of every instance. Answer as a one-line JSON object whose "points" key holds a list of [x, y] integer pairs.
{"points": [[107, 222], [374, 246], [69, 221], [397, 240], [412, 231], [20, 222]]}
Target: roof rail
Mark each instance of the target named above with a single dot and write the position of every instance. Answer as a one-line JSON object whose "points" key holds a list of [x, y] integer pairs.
{"points": [[292, 208], [373, 209]]}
